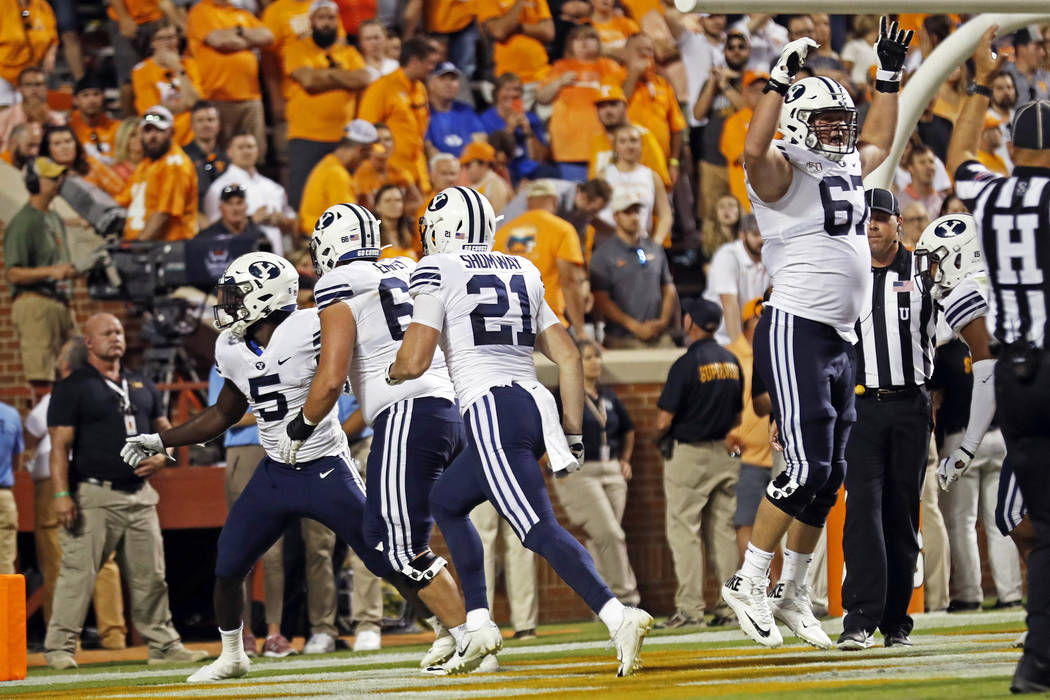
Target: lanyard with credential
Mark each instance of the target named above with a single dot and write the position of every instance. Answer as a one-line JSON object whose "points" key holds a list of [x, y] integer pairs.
{"points": [[124, 393], [601, 416]]}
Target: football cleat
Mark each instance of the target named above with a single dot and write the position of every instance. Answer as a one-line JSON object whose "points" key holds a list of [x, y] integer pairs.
{"points": [[222, 667], [439, 652], [628, 640], [746, 595], [475, 647], [790, 604]]}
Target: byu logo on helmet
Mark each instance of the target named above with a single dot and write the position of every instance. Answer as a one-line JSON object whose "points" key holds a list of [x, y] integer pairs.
{"points": [[264, 270], [439, 200], [950, 228], [795, 92], [327, 219]]}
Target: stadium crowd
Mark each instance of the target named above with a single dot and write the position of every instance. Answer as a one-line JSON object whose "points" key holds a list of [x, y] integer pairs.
{"points": [[609, 136]]}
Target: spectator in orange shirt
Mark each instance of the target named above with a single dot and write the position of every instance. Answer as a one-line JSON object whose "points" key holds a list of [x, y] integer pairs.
{"points": [[331, 180], [611, 104], [222, 38], [399, 100], [453, 22], [371, 42], [377, 171], [572, 86], [733, 134], [32, 87], [476, 161], [161, 197], [325, 76], [520, 28], [613, 28], [652, 102], [166, 78], [60, 144], [28, 38], [288, 21], [396, 230], [23, 145], [552, 244], [131, 24], [127, 148], [95, 129]]}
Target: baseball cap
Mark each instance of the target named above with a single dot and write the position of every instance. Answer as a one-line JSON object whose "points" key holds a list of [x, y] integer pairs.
{"points": [[231, 191], [477, 151], [444, 68], [541, 188], [623, 200], [753, 76], [706, 314], [882, 200], [1031, 126], [88, 82], [319, 4], [159, 117], [45, 167], [1022, 37], [610, 93], [360, 131], [752, 309]]}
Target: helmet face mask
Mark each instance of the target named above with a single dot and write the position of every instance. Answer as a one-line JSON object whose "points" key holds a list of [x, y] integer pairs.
{"points": [[254, 286], [457, 219], [812, 100], [947, 253], [824, 132], [344, 232]]}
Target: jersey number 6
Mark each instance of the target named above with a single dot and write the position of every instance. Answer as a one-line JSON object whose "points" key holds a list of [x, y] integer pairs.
{"points": [[833, 207], [498, 310]]}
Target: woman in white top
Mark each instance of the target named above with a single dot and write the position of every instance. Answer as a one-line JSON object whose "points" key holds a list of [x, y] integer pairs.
{"points": [[371, 40], [626, 172]]}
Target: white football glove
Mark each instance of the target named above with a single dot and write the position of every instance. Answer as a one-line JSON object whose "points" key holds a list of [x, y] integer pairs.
{"points": [[791, 60], [287, 448], [952, 467], [141, 447]]}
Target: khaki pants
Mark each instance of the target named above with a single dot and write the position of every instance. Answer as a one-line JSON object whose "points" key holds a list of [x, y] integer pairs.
{"points": [[43, 325], [241, 462], [519, 572], [108, 596], [935, 553], [243, 115], [112, 520], [594, 499], [700, 489], [714, 184], [8, 531]]}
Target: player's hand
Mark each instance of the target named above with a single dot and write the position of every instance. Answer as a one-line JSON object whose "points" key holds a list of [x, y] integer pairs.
{"points": [[987, 63], [791, 60], [297, 432], [891, 48], [952, 467], [576, 447], [140, 447]]}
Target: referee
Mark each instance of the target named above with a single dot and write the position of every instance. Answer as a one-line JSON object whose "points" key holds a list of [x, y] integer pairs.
{"points": [[888, 446], [1013, 221]]}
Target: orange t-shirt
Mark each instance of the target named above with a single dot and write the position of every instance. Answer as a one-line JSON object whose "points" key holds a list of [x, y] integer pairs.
{"points": [[519, 54], [228, 77], [652, 157], [7, 156], [367, 179], [289, 20], [99, 140], [319, 116], [544, 239], [141, 11], [732, 146], [168, 185], [402, 105], [155, 85], [613, 34], [573, 112], [329, 183], [105, 177], [653, 105], [640, 8], [447, 16], [21, 47]]}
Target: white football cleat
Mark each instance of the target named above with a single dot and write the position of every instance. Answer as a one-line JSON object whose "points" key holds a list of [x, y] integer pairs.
{"points": [[476, 646], [222, 667], [490, 664], [790, 604], [441, 650], [628, 640], [746, 595]]}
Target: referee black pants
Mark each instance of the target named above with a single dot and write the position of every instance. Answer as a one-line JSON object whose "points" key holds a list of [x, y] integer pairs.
{"points": [[1023, 410], [885, 466]]}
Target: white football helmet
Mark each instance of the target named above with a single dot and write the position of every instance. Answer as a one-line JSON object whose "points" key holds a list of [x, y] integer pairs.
{"points": [[344, 232], [253, 287], [808, 98], [458, 218], [948, 252]]}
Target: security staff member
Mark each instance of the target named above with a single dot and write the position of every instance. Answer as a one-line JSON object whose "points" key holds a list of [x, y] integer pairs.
{"points": [[1013, 221], [700, 403], [101, 502], [887, 448]]}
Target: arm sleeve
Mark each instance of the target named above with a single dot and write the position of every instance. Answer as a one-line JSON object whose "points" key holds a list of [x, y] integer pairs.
{"points": [[36, 421], [16, 245], [982, 405], [569, 249], [671, 395], [964, 304], [546, 318], [428, 310], [330, 291], [723, 273], [63, 409], [425, 279], [971, 179], [600, 278]]}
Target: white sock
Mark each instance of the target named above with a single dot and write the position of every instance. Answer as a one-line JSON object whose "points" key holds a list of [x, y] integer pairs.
{"points": [[477, 618], [612, 614], [796, 565], [756, 562], [232, 643], [457, 632]]}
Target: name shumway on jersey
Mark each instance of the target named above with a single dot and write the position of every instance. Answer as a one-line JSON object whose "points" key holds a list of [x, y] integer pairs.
{"points": [[276, 381]]}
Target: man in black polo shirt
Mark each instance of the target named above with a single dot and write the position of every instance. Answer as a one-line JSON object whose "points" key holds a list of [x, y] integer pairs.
{"points": [[234, 220], [100, 501], [700, 403]]}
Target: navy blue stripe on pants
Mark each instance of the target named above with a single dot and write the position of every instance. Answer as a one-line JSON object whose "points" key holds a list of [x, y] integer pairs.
{"points": [[501, 465], [327, 490], [415, 440]]}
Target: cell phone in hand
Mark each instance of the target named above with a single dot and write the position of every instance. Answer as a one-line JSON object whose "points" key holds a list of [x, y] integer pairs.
{"points": [[517, 105]]}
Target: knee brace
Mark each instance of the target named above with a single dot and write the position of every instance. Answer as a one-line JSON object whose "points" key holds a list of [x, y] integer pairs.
{"points": [[419, 572], [816, 514], [788, 495]]}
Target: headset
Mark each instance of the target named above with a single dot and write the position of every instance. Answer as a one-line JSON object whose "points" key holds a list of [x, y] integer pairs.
{"points": [[32, 178]]}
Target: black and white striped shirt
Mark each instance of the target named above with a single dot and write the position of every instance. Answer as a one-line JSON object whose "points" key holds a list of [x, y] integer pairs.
{"points": [[1013, 221], [897, 329]]}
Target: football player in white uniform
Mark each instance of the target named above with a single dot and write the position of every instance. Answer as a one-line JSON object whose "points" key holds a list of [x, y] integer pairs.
{"points": [[487, 312], [267, 354], [807, 194], [364, 309]]}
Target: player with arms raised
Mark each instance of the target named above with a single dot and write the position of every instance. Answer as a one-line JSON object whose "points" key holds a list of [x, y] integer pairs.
{"points": [[808, 197], [487, 312]]}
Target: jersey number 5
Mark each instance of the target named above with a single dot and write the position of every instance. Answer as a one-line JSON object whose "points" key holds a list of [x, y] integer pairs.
{"points": [[497, 311], [280, 408], [838, 213]]}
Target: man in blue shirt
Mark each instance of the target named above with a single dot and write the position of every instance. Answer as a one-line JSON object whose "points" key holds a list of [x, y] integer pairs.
{"points": [[453, 124], [508, 114], [11, 448]]}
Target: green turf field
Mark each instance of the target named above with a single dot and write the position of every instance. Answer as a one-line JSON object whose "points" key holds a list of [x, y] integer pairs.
{"points": [[955, 656]]}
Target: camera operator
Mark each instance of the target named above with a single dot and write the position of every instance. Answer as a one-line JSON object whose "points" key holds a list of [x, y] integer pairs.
{"points": [[39, 273], [233, 218]]}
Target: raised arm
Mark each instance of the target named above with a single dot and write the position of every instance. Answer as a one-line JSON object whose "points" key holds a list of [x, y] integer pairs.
{"points": [[876, 140], [966, 136]]}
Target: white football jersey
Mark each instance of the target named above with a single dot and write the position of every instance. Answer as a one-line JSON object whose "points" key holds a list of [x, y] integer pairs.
{"points": [[276, 380], [494, 308], [377, 294], [814, 240], [968, 301]]}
